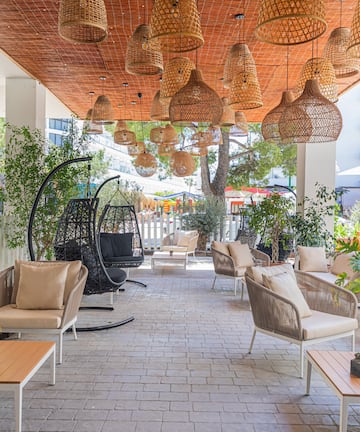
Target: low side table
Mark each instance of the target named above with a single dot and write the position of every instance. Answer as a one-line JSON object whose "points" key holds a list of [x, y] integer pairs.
{"points": [[19, 361], [334, 367], [168, 257]]}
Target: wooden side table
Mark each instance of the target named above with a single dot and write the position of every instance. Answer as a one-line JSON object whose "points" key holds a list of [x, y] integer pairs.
{"points": [[19, 361], [334, 367]]}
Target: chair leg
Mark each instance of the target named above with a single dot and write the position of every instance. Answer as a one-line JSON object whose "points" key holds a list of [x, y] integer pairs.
{"points": [[353, 342], [235, 285], [301, 360], [252, 341], [74, 331], [60, 347], [242, 289], [213, 284]]}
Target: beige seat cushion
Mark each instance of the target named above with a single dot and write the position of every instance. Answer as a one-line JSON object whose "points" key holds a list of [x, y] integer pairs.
{"points": [[71, 280], [41, 287], [342, 264], [241, 254], [220, 247], [312, 259], [257, 272], [12, 317], [321, 324], [285, 285]]}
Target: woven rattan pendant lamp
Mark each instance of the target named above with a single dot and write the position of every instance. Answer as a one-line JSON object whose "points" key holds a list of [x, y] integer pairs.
{"points": [[136, 149], [140, 58], [182, 163], [165, 149], [195, 102], [322, 70], [245, 92], [164, 135], [228, 116], [311, 118], [159, 111], [354, 41], [241, 127], [122, 134], [145, 164], [290, 22], [103, 112], [82, 21], [89, 127], [175, 26], [176, 74]]}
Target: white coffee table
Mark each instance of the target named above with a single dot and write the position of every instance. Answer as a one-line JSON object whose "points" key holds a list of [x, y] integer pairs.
{"points": [[166, 258]]}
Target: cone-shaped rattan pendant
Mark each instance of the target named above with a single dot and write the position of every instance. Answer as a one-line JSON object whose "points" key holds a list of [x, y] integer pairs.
{"points": [[311, 118], [102, 111], [164, 135], [196, 150], [176, 75], [159, 111], [145, 164], [270, 124], [140, 58], [166, 149], [123, 135], [241, 127], [245, 92], [91, 128], [175, 26], [195, 102], [82, 21], [322, 70], [336, 51], [239, 60], [290, 22], [228, 116], [182, 164], [136, 149]]}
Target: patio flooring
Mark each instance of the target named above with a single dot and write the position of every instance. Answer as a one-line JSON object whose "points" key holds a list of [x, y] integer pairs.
{"points": [[180, 366]]}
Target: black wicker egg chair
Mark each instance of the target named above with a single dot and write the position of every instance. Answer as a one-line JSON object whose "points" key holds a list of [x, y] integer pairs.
{"points": [[118, 235]]}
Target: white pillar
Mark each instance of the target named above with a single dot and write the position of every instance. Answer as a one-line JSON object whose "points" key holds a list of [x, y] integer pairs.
{"points": [[25, 103]]}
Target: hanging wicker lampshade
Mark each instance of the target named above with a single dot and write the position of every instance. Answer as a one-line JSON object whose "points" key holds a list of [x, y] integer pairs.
{"points": [[311, 118], [354, 41], [175, 26], [195, 150], [270, 123], [140, 58], [228, 116], [241, 123], [195, 102], [145, 164], [202, 139], [166, 149], [82, 21], [136, 149], [182, 164], [159, 111], [216, 135], [289, 22], [91, 128], [164, 135], [238, 60], [322, 70], [176, 75], [102, 111], [245, 92], [123, 135], [335, 51]]}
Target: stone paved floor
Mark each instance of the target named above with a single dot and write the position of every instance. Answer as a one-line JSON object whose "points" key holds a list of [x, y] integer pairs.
{"points": [[180, 366]]}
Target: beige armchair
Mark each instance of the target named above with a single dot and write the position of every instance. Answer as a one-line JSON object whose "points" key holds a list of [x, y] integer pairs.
{"points": [[181, 241], [231, 260], [41, 298], [299, 307]]}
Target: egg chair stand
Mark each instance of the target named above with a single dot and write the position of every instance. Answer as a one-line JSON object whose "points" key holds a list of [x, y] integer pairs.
{"points": [[118, 234]]}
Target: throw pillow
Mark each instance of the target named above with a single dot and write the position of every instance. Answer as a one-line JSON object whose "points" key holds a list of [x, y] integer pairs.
{"points": [[284, 285], [220, 247], [257, 272], [122, 244], [312, 259], [106, 245], [342, 264], [41, 287], [241, 254]]}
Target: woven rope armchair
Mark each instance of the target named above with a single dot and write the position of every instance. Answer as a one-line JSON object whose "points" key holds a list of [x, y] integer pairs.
{"points": [[333, 309]]}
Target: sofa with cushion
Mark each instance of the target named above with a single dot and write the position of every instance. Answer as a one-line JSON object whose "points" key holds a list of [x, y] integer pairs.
{"points": [[299, 307], [231, 260], [180, 241], [41, 297]]}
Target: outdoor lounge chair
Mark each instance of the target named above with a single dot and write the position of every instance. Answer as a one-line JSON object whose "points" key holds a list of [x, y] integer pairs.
{"points": [[181, 241]]}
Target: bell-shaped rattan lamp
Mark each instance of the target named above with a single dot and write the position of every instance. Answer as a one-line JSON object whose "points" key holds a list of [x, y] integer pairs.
{"points": [[136, 149], [123, 135], [238, 60], [145, 164], [322, 70], [175, 26], [228, 116], [102, 112], [197, 150], [159, 111], [311, 118], [195, 102], [182, 164], [336, 52], [245, 92], [290, 22], [176, 74], [164, 135], [270, 123], [165, 149], [91, 128], [140, 58], [82, 21]]}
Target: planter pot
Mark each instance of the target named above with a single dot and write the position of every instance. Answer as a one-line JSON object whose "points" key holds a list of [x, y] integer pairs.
{"points": [[355, 367], [283, 253]]}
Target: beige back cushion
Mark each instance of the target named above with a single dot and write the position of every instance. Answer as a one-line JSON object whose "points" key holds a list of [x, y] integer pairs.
{"points": [[342, 264], [241, 254], [312, 259], [71, 280], [284, 285], [220, 247], [257, 272], [41, 287], [185, 237]]}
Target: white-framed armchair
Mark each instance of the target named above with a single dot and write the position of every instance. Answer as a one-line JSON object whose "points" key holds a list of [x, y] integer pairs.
{"points": [[181, 241]]}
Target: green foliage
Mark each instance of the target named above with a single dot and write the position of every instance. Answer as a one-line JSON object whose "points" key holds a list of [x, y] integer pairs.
{"points": [[344, 246]]}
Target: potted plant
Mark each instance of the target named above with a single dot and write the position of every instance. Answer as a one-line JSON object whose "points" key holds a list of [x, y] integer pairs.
{"points": [[270, 218]]}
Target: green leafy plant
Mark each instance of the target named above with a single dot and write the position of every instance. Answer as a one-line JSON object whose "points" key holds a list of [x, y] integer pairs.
{"points": [[353, 246]]}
